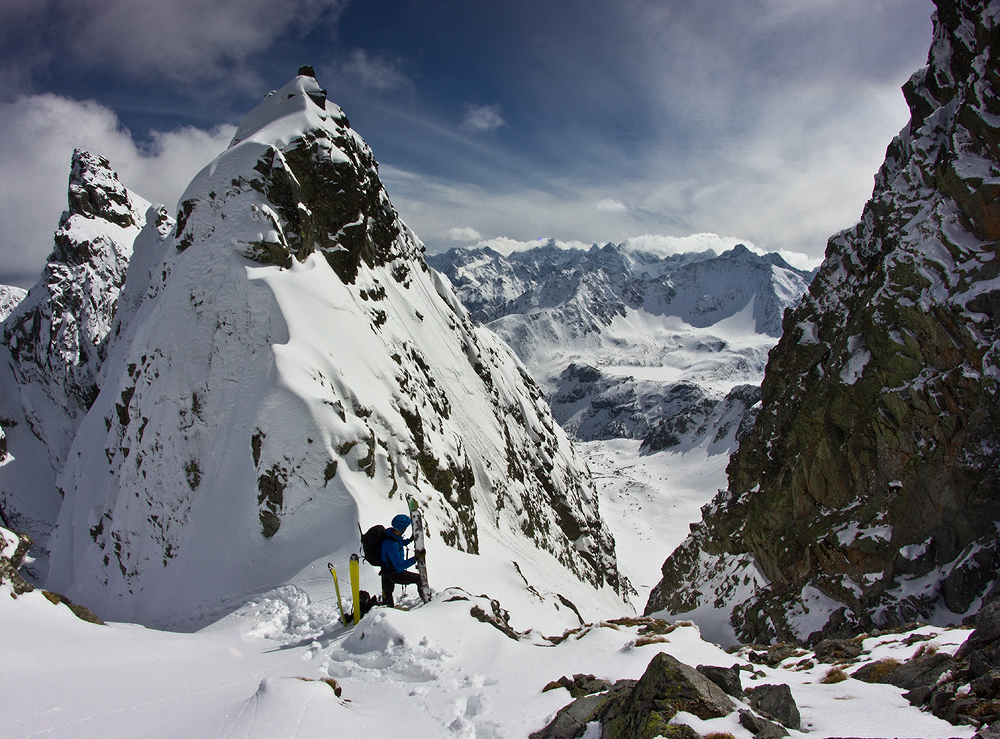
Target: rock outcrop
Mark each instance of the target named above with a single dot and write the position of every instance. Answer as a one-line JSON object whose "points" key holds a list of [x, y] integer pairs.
{"points": [[868, 492], [643, 707]]}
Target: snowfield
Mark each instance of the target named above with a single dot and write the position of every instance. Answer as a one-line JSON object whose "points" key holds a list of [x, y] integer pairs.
{"points": [[283, 666]]}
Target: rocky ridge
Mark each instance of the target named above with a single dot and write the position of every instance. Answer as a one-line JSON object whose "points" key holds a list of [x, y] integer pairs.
{"points": [[282, 365], [952, 673], [867, 493], [55, 339]]}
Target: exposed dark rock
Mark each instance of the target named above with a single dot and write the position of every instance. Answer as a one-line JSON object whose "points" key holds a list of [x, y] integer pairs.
{"points": [[81, 612], [777, 702], [920, 672], [727, 678], [498, 618], [968, 691], [571, 721], [579, 685], [9, 565], [666, 687], [775, 654], [836, 650], [760, 727], [642, 709], [873, 460]]}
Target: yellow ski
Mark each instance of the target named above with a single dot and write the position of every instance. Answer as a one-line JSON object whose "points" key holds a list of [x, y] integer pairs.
{"points": [[356, 586], [336, 584]]}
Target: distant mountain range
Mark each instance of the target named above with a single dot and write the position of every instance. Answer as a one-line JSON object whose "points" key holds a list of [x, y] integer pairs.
{"points": [[629, 344]]}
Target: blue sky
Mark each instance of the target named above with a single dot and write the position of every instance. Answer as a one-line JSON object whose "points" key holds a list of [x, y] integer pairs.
{"points": [[606, 120]]}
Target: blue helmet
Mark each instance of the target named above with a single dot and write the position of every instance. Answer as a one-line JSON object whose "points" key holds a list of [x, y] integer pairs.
{"points": [[401, 522]]}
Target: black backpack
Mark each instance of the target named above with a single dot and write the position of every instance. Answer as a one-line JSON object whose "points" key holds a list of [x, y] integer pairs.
{"points": [[371, 544]]}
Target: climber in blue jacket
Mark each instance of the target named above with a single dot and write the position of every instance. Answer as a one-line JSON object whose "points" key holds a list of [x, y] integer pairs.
{"points": [[394, 566]]}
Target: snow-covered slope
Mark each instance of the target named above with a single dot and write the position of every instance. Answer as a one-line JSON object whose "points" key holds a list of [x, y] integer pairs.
{"points": [[54, 341], [632, 345], [285, 367], [283, 666]]}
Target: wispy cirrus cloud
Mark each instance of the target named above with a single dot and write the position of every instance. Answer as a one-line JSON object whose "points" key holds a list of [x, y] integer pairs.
{"points": [[375, 72]]}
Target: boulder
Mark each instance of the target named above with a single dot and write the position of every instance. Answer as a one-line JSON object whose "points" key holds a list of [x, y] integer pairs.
{"points": [[727, 678], [760, 727], [776, 701], [835, 650], [571, 720], [666, 687]]}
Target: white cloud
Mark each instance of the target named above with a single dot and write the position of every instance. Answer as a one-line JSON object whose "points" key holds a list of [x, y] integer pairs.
{"points": [[180, 39], [482, 118], [799, 260], [463, 234], [507, 246], [610, 205], [664, 245], [375, 72], [37, 138]]}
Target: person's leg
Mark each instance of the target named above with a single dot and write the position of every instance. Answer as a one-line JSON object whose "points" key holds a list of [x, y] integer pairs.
{"points": [[387, 588], [406, 577]]}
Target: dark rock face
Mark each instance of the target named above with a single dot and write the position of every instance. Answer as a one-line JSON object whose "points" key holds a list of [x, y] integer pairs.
{"points": [[760, 727], [13, 547], [727, 678], [874, 460]]}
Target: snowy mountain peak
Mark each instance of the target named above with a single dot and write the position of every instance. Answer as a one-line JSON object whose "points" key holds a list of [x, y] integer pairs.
{"points": [[289, 368], [310, 182], [96, 192], [303, 105], [55, 340]]}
